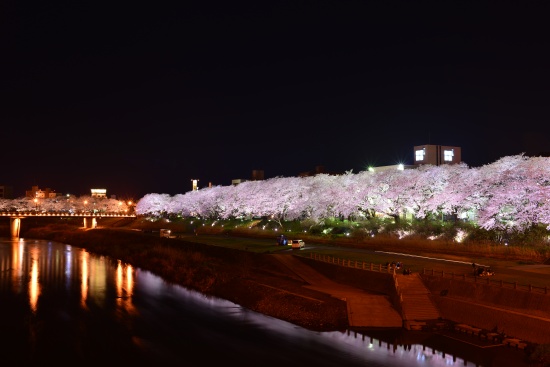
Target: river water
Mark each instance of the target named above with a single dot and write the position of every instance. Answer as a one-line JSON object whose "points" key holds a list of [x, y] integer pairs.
{"points": [[61, 304]]}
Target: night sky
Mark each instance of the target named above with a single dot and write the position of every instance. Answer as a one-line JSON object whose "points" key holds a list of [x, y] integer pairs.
{"points": [[142, 97]]}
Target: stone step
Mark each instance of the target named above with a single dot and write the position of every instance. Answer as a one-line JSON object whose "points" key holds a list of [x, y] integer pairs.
{"points": [[417, 315], [416, 302]]}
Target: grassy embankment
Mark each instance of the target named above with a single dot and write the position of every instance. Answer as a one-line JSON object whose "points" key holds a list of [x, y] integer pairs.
{"points": [[415, 252]]}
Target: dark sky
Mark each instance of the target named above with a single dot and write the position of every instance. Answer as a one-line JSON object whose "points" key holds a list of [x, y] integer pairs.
{"points": [[142, 97]]}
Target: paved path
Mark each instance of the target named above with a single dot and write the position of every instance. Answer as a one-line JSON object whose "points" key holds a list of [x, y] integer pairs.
{"points": [[364, 309]]}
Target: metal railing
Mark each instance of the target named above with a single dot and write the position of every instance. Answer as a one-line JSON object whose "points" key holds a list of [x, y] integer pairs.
{"points": [[464, 277], [396, 296], [486, 280], [353, 263]]}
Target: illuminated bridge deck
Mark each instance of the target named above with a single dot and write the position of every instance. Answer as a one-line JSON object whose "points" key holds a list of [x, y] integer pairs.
{"points": [[24, 214]]}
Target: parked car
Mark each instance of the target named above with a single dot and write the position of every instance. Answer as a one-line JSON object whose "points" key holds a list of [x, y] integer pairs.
{"points": [[298, 244]]}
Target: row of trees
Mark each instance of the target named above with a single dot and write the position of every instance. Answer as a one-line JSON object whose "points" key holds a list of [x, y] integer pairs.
{"points": [[68, 204], [511, 194]]}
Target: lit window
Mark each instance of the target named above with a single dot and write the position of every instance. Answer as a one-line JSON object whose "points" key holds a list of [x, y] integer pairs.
{"points": [[419, 154], [448, 155]]}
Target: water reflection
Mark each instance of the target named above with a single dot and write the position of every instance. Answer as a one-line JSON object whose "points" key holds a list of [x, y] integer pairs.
{"points": [[124, 286], [84, 279], [34, 287], [63, 304]]}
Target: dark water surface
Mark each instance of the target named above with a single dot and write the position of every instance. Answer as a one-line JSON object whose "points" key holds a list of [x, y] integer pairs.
{"points": [[61, 305]]}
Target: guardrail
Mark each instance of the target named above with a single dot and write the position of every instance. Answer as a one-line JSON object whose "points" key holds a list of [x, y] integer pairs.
{"points": [[486, 280], [465, 277], [396, 296], [353, 263]]}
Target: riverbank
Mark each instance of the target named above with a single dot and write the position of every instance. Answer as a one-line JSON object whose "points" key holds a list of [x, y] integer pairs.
{"points": [[255, 281]]}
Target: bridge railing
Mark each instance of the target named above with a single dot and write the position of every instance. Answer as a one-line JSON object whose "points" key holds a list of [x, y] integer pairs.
{"points": [[64, 214]]}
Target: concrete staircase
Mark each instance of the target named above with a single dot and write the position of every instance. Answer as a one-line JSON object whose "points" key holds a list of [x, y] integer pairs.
{"points": [[364, 309], [416, 302]]}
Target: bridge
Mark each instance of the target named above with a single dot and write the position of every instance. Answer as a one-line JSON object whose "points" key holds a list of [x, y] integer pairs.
{"points": [[89, 218]]}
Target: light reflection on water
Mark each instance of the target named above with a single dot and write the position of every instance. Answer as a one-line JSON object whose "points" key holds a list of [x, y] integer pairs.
{"points": [[66, 286]]}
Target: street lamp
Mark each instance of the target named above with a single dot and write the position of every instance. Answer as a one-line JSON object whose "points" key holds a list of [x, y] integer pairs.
{"points": [[35, 204], [130, 206], [195, 184]]}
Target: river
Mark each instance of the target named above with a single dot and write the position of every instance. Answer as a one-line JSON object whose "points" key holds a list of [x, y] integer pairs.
{"points": [[63, 305]]}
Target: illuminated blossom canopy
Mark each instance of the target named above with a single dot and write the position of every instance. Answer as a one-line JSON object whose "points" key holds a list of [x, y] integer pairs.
{"points": [[509, 194]]}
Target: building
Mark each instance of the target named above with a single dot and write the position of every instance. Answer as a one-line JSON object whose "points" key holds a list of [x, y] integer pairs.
{"points": [[237, 181], [436, 155], [427, 154], [257, 175], [423, 154], [398, 167], [318, 170], [99, 193], [36, 192]]}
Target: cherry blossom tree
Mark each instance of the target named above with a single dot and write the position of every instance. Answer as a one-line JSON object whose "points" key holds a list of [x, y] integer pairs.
{"points": [[394, 192], [153, 204], [287, 198], [325, 195], [364, 194], [515, 189], [444, 190], [511, 194]]}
